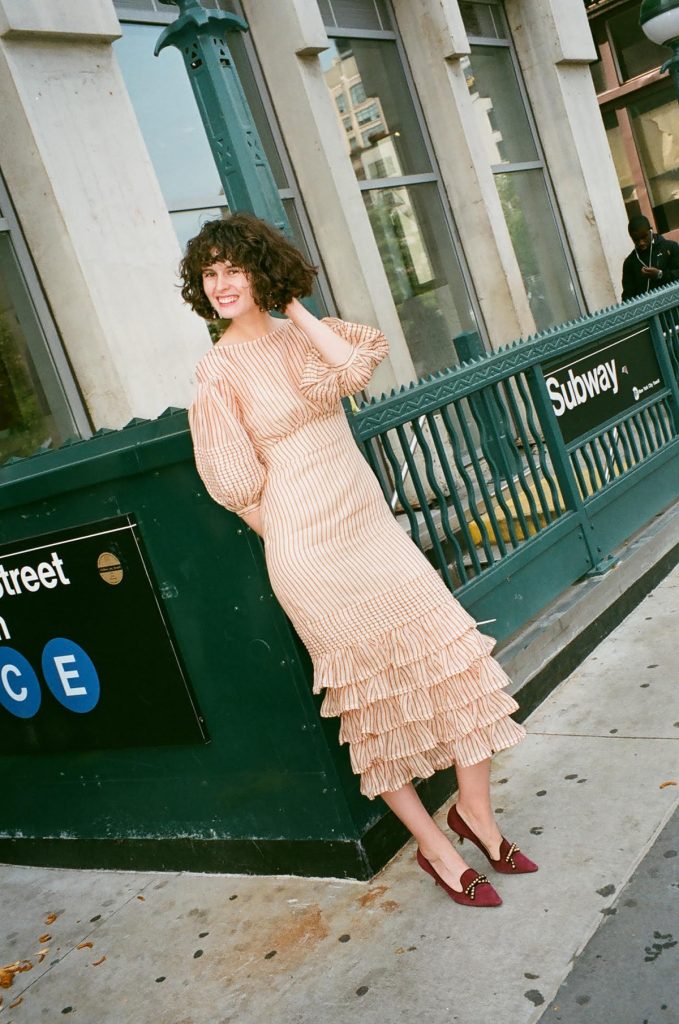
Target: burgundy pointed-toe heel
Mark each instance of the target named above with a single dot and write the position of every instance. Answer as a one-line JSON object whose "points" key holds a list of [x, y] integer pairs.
{"points": [[476, 889], [510, 862]]}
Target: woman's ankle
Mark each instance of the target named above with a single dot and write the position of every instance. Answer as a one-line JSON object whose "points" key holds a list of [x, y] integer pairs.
{"points": [[472, 814]]}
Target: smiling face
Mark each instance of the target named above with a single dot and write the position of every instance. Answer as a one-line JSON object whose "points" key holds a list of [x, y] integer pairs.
{"points": [[228, 290]]}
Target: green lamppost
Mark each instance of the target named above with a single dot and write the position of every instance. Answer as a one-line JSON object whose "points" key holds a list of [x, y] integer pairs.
{"points": [[660, 21], [200, 37]]}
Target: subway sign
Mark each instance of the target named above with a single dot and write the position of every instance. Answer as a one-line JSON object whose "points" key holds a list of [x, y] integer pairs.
{"points": [[87, 658], [605, 382]]}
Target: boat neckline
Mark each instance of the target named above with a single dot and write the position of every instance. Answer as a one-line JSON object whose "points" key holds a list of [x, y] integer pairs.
{"points": [[260, 337]]}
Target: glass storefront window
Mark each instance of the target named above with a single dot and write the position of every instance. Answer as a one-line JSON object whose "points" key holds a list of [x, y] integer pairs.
{"points": [[175, 136], [640, 115], [506, 132], [483, 19], [387, 142], [537, 246], [169, 121], [371, 70], [419, 260], [356, 14], [34, 414], [655, 120], [628, 185], [171, 125], [500, 111]]}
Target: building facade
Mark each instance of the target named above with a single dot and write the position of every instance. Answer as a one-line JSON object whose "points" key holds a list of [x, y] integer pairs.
{"points": [[640, 113], [444, 164]]}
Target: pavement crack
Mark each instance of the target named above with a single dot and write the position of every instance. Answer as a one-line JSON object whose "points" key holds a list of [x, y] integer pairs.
{"points": [[85, 938], [599, 736]]}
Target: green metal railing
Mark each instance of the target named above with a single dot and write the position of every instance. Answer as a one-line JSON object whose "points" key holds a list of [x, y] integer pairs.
{"points": [[508, 511]]}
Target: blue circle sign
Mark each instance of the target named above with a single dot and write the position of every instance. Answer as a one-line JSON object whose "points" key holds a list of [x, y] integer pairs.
{"points": [[19, 687], [70, 674]]}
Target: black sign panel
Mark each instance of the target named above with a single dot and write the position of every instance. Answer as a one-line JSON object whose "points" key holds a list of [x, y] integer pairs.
{"points": [[87, 660], [603, 382]]}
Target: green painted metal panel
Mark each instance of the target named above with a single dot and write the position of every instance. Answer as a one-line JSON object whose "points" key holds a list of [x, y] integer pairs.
{"points": [[268, 771], [635, 500], [526, 581]]}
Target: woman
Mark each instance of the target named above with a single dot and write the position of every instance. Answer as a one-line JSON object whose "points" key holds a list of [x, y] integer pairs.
{"points": [[401, 661]]}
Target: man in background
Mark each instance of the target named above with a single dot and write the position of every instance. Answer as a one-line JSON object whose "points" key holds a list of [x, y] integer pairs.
{"points": [[654, 261]]}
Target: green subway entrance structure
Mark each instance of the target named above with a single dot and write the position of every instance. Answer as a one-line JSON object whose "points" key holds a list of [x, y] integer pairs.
{"points": [[517, 473]]}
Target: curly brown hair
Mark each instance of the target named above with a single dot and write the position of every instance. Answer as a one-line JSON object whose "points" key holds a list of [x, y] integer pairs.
{"points": [[278, 271]]}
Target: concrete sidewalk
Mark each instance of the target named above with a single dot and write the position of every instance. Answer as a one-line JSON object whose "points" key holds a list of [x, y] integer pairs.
{"points": [[584, 795]]}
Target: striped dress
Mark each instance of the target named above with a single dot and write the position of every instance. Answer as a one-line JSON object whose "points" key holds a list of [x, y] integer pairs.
{"points": [[400, 660]]}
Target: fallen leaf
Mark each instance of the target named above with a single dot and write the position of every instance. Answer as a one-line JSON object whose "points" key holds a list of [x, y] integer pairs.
{"points": [[670, 782], [51, 918], [15, 1003], [142, 898], [44, 938], [41, 954], [24, 965], [6, 977], [85, 945], [96, 963]]}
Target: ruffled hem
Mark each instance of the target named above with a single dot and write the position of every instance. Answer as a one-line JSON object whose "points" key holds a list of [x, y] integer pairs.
{"points": [[415, 699], [387, 776], [427, 687], [443, 704], [421, 736]]}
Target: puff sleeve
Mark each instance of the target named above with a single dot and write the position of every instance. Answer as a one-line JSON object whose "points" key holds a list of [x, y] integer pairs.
{"points": [[323, 383], [225, 456]]}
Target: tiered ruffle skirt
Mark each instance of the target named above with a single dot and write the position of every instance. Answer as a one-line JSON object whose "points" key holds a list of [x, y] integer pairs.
{"points": [[417, 697]]}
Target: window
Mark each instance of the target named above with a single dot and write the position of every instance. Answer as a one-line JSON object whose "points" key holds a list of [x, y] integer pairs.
{"points": [[341, 101], [654, 121], [39, 403], [399, 181], [513, 152], [640, 114], [367, 114], [483, 19], [357, 93], [175, 137]]}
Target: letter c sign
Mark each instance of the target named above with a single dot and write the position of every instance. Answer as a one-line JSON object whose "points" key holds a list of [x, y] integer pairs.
{"points": [[68, 671], [19, 687]]}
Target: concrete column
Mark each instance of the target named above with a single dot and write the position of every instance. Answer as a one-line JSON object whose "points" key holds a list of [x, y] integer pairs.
{"points": [[91, 209], [435, 41], [554, 46], [290, 35]]}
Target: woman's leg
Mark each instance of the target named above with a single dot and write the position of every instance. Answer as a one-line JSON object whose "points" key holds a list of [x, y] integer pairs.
{"points": [[473, 804], [407, 806]]}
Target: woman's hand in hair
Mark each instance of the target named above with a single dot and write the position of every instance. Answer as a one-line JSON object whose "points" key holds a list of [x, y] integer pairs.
{"points": [[333, 348]]}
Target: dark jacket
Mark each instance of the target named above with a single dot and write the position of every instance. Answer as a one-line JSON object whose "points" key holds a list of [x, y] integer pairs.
{"points": [[665, 256]]}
